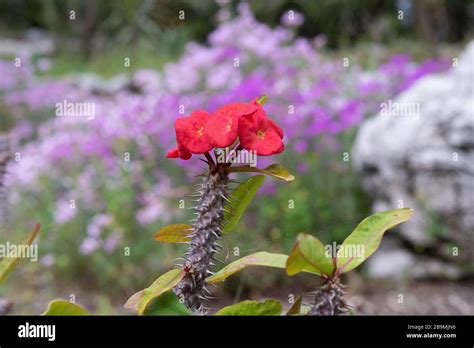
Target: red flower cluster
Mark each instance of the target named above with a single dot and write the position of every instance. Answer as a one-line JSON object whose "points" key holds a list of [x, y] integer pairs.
{"points": [[201, 131]]}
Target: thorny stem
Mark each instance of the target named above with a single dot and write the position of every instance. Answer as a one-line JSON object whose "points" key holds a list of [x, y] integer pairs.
{"points": [[206, 232], [4, 159], [329, 298], [210, 161]]}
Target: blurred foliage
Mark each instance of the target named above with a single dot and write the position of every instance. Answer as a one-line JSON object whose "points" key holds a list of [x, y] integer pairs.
{"points": [[6, 121], [307, 204], [111, 61], [341, 21], [96, 25]]}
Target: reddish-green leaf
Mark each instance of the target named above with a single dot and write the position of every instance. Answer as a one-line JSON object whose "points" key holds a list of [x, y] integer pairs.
{"points": [[366, 237], [8, 264], [175, 233], [275, 170], [140, 300], [239, 201], [64, 308], [269, 307], [296, 307], [308, 253], [260, 258]]}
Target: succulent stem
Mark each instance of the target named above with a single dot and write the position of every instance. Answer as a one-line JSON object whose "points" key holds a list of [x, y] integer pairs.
{"points": [[329, 298], [206, 232], [4, 159]]}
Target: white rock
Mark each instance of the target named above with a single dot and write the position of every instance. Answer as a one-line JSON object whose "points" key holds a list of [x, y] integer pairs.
{"points": [[425, 159], [390, 263]]}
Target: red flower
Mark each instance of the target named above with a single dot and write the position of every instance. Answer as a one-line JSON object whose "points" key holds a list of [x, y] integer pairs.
{"points": [[190, 132], [222, 128], [259, 133], [276, 127], [181, 153], [201, 132]]}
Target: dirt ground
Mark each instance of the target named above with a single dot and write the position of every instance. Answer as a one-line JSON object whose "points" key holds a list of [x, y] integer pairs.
{"points": [[376, 297], [419, 298]]}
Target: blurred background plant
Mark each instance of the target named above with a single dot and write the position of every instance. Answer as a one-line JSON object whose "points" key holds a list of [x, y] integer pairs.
{"points": [[101, 187]]}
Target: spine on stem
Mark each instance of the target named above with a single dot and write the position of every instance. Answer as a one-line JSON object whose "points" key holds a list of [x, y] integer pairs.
{"points": [[4, 159], [212, 197], [329, 299]]}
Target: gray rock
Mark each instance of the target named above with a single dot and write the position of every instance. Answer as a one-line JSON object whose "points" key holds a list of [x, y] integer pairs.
{"points": [[390, 263], [393, 261], [423, 157], [430, 268]]}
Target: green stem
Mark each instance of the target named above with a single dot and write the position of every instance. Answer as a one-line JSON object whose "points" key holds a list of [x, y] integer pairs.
{"points": [[245, 169]]}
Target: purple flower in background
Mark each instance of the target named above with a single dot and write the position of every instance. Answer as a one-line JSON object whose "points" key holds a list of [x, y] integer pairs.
{"points": [[98, 223], [13, 75], [64, 212], [44, 64], [153, 207], [48, 260], [89, 245], [370, 87], [268, 188], [300, 146], [111, 242], [350, 114], [313, 98], [302, 167], [427, 67]]}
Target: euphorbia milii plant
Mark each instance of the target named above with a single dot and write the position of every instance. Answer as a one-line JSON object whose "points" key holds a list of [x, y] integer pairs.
{"points": [[329, 262], [233, 128]]}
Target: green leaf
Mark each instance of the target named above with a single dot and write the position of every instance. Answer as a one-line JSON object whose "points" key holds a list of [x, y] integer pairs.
{"points": [[366, 237], [279, 172], [239, 201], [165, 282], [269, 307], [175, 233], [261, 258], [8, 264], [133, 301], [64, 308], [309, 253], [275, 170], [167, 304], [296, 308]]}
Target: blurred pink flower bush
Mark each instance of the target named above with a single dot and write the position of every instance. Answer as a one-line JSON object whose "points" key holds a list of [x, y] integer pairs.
{"points": [[85, 160]]}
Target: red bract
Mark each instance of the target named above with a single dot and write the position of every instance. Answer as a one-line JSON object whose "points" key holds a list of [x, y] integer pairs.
{"points": [[190, 132], [178, 153], [200, 132], [276, 127], [222, 128], [259, 133]]}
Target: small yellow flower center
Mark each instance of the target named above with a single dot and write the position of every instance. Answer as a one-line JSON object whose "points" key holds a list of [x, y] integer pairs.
{"points": [[261, 135], [200, 130], [229, 126]]}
